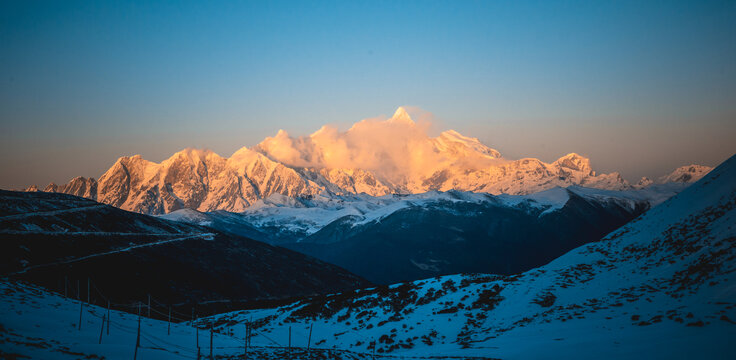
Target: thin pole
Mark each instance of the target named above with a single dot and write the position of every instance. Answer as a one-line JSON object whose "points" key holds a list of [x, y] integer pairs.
{"points": [[102, 329], [81, 304], [108, 317], [309, 340], [211, 323], [169, 331], [149, 305], [250, 331], [78, 298], [196, 327], [245, 355], [138, 338]]}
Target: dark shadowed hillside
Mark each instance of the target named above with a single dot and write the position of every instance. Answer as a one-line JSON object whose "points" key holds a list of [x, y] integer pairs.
{"points": [[449, 237], [50, 239]]}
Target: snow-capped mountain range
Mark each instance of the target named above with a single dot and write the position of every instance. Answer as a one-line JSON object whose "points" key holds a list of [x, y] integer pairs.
{"points": [[376, 157]]}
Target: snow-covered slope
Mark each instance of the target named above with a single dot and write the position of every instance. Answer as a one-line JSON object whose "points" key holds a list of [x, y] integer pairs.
{"points": [[374, 157], [38, 324], [661, 286]]}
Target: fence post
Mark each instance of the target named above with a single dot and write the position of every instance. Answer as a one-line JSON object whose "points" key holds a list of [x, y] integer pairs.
{"points": [[245, 355], [108, 317], [81, 304], [211, 325], [309, 340], [169, 330], [250, 331], [102, 329], [149, 305], [138, 337]]}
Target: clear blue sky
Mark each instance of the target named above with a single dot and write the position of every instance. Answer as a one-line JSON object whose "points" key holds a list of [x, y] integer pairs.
{"points": [[639, 86]]}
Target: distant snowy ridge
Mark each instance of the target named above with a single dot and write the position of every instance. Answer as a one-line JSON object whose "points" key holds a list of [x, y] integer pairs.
{"points": [[686, 174], [282, 219], [436, 233], [374, 157]]}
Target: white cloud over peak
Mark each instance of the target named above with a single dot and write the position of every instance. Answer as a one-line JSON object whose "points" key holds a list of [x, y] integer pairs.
{"points": [[394, 148]]}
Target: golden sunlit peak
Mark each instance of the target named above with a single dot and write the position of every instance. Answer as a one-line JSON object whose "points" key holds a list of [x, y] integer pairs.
{"points": [[401, 116]]}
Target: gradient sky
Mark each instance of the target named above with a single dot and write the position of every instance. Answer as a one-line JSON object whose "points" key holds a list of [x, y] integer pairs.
{"points": [[640, 87]]}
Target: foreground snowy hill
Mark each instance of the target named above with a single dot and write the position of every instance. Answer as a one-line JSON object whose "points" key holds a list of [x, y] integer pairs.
{"points": [[659, 287], [37, 324], [59, 241], [374, 157]]}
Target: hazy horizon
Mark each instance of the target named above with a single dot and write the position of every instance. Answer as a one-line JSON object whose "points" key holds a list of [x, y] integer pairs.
{"points": [[639, 88]]}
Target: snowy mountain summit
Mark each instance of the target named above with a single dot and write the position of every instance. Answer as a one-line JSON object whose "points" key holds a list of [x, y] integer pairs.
{"points": [[375, 156]]}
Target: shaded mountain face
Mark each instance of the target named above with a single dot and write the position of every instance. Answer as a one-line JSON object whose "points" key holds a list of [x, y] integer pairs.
{"points": [[446, 237], [407, 237], [373, 157], [50, 239], [661, 286]]}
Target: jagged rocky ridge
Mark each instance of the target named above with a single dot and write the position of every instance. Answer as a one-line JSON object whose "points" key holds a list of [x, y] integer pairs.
{"points": [[300, 168]]}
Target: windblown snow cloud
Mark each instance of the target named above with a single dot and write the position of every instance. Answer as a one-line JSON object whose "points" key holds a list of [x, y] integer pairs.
{"points": [[394, 148]]}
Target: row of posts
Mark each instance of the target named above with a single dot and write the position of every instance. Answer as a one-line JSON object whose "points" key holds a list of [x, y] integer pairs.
{"points": [[106, 326]]}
